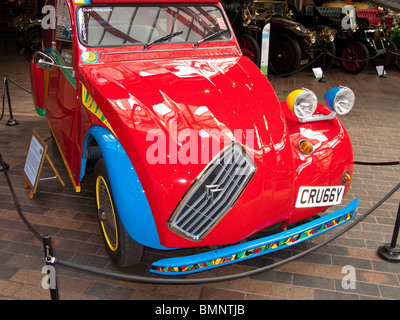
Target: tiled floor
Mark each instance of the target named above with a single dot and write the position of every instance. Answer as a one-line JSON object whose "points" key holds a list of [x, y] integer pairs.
{"points": [[69, 217]]}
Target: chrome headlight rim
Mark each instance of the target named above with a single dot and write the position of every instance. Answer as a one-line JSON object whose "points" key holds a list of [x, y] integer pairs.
{"points": [[340, 99], [303, 103], [328, 35], [310, 37]]}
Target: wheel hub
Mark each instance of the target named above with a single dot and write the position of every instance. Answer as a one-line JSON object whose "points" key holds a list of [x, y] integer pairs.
{"points": [[101, 214]]}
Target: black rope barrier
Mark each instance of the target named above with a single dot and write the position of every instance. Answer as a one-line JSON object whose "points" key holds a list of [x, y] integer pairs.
{"points": [[4, 97], [333, 56], [391, 251], [228, 277], [6, 92], [19, 86], [356, 60], [389, 163], [17, 206], [395, 53], [51, 260], [297, 70]]}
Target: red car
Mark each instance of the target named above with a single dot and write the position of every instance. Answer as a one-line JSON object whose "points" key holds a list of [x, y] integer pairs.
{"points": [[186, 138]]}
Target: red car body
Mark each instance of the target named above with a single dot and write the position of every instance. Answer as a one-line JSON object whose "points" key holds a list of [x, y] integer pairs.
{"points": [[166, 105]]}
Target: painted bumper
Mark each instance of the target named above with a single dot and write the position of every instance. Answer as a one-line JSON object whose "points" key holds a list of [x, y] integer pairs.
{"points": [[240, 252]]}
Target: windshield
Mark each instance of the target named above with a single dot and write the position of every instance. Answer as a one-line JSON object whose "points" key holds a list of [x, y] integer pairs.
{"points": [[104, 26]]}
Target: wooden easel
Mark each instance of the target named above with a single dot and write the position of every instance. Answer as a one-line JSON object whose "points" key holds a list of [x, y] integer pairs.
{"points": [[34, 161]]}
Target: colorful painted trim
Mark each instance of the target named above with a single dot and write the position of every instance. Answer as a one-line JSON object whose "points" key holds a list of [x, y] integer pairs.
{"points": [[76, 187], [255, 248], [89, 57], [126, 188], [66, 72], [92, 106], [41, 112]]}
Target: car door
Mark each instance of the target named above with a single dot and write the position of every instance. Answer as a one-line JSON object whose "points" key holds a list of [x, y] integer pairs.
{"points": [[61, 103]]}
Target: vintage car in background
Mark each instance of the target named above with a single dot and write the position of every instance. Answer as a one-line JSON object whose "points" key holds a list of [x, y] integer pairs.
{"points": [[291, 44], [184, 136], [392, 32], [357, 42], [29, 34]]}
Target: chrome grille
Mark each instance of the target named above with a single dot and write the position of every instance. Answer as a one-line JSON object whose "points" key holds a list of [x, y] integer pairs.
{"points": [[213, 193]]}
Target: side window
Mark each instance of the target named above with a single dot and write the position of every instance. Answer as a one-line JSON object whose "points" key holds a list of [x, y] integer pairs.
{"points": [[63, 34]]}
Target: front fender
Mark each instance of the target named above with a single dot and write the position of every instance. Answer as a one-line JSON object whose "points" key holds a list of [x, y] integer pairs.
{"points": [[130, 199], [39, 85]]}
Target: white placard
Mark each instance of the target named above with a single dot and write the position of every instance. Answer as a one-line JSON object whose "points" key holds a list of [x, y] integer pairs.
{"points": [[318, 73], [266, 33], [34, 160], [381, 70]]}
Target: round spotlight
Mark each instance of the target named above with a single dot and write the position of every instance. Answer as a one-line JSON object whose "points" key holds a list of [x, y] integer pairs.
{"points": [[302, 103], [328, 35], [340, 99], [310, 37]]}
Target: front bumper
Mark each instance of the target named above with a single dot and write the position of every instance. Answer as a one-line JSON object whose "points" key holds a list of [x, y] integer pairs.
{"points": [[240, 252]]}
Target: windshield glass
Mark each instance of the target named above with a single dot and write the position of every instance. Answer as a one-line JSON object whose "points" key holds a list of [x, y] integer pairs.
{"points": [[104, 26]]}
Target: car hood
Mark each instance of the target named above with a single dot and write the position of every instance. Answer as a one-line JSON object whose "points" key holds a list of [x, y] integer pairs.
{"points": [[278, 22], [168, 113]]}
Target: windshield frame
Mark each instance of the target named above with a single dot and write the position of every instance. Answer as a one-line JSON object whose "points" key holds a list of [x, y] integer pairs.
{"points": [[140, 44]]}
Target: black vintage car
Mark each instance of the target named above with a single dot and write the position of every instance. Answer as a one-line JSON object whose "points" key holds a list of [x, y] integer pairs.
{"points": [[358, 47], [291, 44], [393, 33], [29, 34], [355, 45]]}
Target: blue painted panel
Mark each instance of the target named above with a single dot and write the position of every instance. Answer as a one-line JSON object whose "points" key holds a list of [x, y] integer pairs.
{"points": [[130, 199]]}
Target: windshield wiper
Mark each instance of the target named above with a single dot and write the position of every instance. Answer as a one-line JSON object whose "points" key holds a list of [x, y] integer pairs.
{"points": [[167, 37], [213, 35]]}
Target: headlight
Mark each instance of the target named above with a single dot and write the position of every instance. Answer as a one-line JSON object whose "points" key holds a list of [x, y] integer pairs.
{"points": [[328, 35], [302, 103], [310, 37], [340, 99]]}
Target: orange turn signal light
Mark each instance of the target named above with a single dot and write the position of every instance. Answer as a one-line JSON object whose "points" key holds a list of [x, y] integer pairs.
{"points": [[306, 147], [346, 178]]}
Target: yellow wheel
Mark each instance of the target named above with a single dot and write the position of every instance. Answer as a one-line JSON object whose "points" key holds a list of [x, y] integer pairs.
{"points": [[106, 213], [121, 248]]}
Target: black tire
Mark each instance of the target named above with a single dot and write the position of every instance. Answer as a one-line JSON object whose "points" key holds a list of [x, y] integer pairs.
{"points": [[34, 38], [250, 49], [122, 249], [354, 57], [284, 54]]}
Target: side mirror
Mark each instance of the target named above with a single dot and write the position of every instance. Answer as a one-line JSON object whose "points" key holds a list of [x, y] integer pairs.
{"points": [[43, 61], [47, 63]]}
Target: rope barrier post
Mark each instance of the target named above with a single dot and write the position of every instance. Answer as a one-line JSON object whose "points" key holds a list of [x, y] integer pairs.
{"points": [[4, 166], [49, 258], [11, 121], [390, 251]]}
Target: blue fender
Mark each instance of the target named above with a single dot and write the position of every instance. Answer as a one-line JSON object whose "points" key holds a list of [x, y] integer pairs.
{"points": [[130, 199]]}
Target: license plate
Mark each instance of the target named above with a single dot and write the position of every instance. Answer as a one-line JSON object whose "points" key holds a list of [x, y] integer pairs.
{"points": [[319, 196], [303, 62]]}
